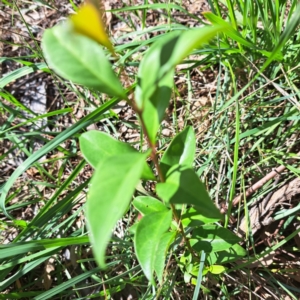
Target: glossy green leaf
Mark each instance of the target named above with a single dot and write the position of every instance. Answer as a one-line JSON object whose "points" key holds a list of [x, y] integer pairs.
{"points": [[112, 187], [193, 218], [132, 229], [147, 239], [183, 186], [232, 254], [216, 269], [154, 108], [97, 146], [155, 75], [180, 151], [212, 238], [147, 204], [192, 39], [80, 59], [163, 246], [147, 173]]}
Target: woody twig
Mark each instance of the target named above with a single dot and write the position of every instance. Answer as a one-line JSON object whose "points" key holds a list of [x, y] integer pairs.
{"points": [[260, 183]]}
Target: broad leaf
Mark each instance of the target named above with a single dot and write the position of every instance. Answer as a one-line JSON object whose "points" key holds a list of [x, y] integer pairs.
{"points": [[97, 146], [80, 59], [183, 186], [214, 269], [164, 244], [154, 108], [193, 218], [147, 239], [180, 151], [192, 39], [112, 187], [232, 254], [147, 204], [212, 238], [155, 75], [132, 229]]}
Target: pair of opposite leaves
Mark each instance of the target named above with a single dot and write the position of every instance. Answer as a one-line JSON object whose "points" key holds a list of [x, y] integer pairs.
{"points": [[88, 22]]}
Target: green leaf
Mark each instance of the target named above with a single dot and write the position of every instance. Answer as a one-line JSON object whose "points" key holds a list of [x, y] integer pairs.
{"points": [[154, 108], [14, 249], [288, 32], [80, 59], [161, 253], [192, 39], [212, 238], [132, 229], [147, 173], [147, 204], [97, 146], [183, 186], [147, 239], [180, 151], [155, 75], [21, 72], [231, 32], [215, 269], [112, 187], [193, 218], [232, 254]]}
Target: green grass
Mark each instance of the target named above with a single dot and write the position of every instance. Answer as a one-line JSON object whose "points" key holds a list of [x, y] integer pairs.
{"points": [[251, 118]]}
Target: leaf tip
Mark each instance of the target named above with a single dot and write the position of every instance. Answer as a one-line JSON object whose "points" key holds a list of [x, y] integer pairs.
{"points": [[88, 21]]}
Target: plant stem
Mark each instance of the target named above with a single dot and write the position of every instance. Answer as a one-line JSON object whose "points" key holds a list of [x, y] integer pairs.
{"points": [[181, 229], [161, 176]]}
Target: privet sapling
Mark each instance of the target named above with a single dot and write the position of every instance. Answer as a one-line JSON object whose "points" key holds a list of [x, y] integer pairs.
{"points": [[76, 51]]}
